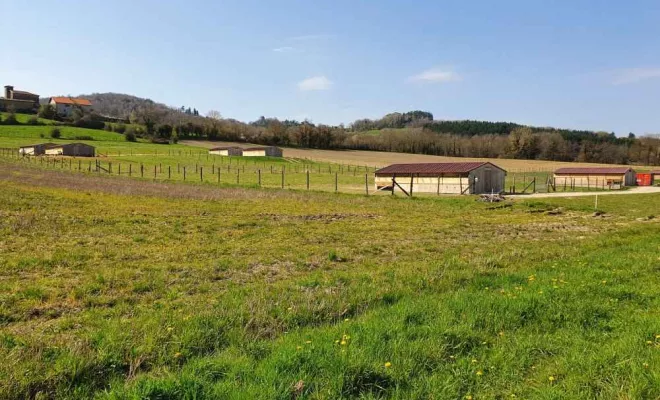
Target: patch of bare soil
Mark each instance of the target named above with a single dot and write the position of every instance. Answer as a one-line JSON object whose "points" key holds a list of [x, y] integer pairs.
{"points": [[326, 218]]}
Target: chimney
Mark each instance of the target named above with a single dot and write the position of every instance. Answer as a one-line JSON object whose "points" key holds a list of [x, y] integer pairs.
{"points": [[8, 90]]}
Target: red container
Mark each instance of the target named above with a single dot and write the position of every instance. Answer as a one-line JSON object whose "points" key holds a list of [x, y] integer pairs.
{"points": [[644, 180]]}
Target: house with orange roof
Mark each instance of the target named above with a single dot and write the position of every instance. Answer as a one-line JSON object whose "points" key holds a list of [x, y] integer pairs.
{"points": [[64, 106]]}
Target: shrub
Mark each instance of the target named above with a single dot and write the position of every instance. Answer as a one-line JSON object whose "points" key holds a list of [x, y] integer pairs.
{"points": [[47, 111], [107, 128], [120, 128], [130, 136], [33, 121], [55, 133], [41, 135], [11, 119]]}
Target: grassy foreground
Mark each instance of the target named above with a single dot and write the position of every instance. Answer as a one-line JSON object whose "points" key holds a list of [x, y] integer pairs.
{"points": [[116, 288]]}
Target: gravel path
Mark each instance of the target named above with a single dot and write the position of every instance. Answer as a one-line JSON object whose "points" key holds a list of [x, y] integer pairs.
{"points": [[633, 190]]}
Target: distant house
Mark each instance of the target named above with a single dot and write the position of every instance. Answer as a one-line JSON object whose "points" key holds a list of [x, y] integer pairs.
{"points": [[226, 151], [268, 151], [442, 178], [71, 149], [19, 101], [64, 106], [596, 177], [35, 149]]}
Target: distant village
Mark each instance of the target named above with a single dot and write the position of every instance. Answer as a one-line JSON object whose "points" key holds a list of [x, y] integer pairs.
{"points": [[26, 102]]}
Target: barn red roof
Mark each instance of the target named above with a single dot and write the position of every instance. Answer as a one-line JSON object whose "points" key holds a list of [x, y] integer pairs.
{"points": [[432, 168], [593, 171], [70, 100]]}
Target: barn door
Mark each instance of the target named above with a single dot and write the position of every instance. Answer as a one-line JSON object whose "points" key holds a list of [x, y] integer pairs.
{"points": [[488, 180]]}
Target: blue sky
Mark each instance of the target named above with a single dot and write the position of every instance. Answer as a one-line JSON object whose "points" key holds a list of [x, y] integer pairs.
{"points": [[574, 64]]}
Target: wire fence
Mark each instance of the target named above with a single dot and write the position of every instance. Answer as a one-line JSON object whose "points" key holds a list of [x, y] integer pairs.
{"points": [[296, 174]]}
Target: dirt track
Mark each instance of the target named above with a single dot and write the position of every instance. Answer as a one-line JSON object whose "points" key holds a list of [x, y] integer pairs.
{"points": [[634, 190]]}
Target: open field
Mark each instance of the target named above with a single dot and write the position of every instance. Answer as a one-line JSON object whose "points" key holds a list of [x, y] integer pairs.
{"points": [[162, 290], [381, 159]]}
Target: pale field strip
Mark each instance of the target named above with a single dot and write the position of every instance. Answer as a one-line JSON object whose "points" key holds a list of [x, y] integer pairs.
{"points": [[382, 159]]}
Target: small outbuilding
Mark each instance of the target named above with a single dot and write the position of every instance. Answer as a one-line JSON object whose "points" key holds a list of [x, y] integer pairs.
{"points": [[72, 150], [35, 149], [655, 177], [226, 151], [268, 151], [596, 177], [442, 178]]}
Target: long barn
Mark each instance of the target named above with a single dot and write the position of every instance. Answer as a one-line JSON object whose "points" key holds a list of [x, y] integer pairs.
{"points": [[442, 178], [595, 177]]}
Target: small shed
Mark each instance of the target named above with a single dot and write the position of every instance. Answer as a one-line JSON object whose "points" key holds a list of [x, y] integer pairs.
{"points": [[655, 176], [442, 178], [71, 149], [226, 151], [268, 151], [596, 177], [35, 149]]}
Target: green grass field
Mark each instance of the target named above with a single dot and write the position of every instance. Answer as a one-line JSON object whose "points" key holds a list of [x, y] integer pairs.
{"points": [[123, 289]]}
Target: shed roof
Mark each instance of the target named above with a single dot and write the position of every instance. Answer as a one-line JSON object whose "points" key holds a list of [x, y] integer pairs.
{"points": [[259, 148], [57, 146], [594, 170], [39, 144], [71, 100], [225, 148], [432, 168]]}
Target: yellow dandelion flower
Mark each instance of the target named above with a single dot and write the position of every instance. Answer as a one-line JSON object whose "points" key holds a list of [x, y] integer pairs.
{"points": [[343, 343], [170, 329], [531, 278], [474, 361], [551, 378], [177, 355], [501, 333], [649, 342], [603, 282], [347, 319], [308, 341], [337, 341], [657, 336], [645, 365], [298, 347], [468, 397], [480, 372], [388, 364]]}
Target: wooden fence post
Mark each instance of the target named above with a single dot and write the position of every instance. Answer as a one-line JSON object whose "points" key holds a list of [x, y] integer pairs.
{"points": [[184, 173], [169, 172], [283, 178], [307, 179], [336, 182], [201, 174], [366, 184], [238, 176], [259, 176], [130, 169]]}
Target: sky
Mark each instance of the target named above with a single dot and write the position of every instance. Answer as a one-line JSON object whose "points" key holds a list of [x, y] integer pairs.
{"points": [[571, 64]]}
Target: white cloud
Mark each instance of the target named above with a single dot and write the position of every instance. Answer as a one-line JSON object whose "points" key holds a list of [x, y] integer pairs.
{"points": [[635, 75], [284, 49], [435, 75], [315, 83]]}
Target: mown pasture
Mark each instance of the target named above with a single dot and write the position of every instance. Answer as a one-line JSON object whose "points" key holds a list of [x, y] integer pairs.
{"points": [[118, 288]]}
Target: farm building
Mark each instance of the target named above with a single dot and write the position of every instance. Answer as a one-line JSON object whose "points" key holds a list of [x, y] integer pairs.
{"points": [[64, 106], [19, 100], [71, 149], [442, 178], [596, 177], [269, 151], [226, 151], [35, 149], [655, 177]]}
